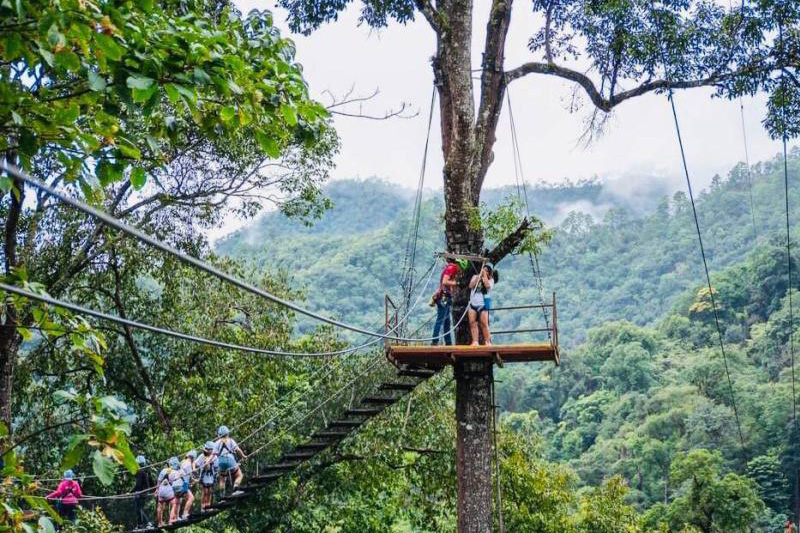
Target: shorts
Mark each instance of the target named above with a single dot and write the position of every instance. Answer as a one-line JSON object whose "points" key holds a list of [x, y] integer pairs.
{"points": [[479, 309]]}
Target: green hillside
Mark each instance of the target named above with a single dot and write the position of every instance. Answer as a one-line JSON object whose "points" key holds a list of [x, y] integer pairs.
{"points": [[623, 266]]}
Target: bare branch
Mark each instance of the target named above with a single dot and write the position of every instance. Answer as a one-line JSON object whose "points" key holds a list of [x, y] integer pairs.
{"points": [[404, 111], [431, 15]]}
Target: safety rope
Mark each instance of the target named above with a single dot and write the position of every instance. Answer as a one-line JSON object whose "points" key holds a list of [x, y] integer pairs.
{"points": [[413, 237], [522, 195]]}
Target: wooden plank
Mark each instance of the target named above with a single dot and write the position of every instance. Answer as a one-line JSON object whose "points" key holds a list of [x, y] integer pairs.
{"points": [[508, 353]]}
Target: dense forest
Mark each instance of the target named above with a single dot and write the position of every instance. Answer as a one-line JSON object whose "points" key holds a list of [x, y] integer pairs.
{"points": [[127, 338], [642, 391]]}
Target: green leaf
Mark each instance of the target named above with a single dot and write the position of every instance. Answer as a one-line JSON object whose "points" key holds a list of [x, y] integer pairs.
{"points": [[96, 81], [109, 47], [138, 178], [68, 60], [244, 116], [189, 95], [103, 467], [145, 5], [129, 150], [201, 76], [268, 144], [172, 92], [143, 95], [48, 56], [289, 114], [139, 82], [75, 451], [16, 118], [227, 113], [128, 459]]}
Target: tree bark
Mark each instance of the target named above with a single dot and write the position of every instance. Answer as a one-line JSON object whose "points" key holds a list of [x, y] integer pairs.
{"points": [[473, 444], [10, 339]]}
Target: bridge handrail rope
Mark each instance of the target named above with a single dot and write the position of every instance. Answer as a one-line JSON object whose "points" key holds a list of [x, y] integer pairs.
{"points": [[429, 275], [331, 370], [671, 98]]}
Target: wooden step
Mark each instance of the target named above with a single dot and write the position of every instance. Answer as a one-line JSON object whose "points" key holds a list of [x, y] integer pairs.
{"points": [[330, 435], [266, 478], [280, 466], [345, 424], [363, 412], [299, 456], [396, 386], [379, 400], [423, 374], [316, 445]]}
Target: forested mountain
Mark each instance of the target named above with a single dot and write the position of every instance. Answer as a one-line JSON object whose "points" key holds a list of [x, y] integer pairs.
{"points": [[623, 266], [642, 392]]}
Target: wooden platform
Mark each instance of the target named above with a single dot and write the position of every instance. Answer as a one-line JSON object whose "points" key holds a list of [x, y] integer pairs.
{"points": [[444, 355]]}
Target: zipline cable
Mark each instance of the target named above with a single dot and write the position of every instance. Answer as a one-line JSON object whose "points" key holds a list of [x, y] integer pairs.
{"points": [[413, 237], [671, 98], [137, 233], [749, 171]]}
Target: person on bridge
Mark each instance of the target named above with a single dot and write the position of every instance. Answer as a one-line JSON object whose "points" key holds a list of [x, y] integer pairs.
{"points": [[143, 485], [790, 528], [225, 450], [68, 495], [169, 479], [481, 284], [443, 300], [187, 472], [206, 467]]}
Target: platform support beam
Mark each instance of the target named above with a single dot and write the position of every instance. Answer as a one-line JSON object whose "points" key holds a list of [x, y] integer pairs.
{"points": [[474, 444]]}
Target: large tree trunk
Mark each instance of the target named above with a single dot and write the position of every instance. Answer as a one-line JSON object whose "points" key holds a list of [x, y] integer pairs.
{"points": [[474, 445], [10, 339], [464, 168]]}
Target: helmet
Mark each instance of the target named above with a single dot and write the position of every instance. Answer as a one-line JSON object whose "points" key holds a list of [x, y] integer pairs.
{"points": [[223, 431], [463, 264], [141, 461], [209, 446], [174, 463], [69, 474], [191, 453]]}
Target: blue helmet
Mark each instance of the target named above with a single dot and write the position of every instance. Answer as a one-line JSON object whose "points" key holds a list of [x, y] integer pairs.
{"points": [[209, 447], [174, 463], [69, 474], [191, 453], [141, 461], [223, 431]]}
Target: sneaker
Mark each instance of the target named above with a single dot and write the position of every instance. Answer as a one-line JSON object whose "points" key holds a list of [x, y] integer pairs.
{"points": [[237, 492]]}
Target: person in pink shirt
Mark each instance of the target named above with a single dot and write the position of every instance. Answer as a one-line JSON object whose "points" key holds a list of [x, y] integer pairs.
{"points": [[68, 495]]}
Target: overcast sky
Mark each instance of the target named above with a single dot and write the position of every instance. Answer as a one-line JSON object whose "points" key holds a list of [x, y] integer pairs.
{"points": [[640, 138]]}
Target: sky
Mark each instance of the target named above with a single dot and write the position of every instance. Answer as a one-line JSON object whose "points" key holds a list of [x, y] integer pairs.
{"points": [[639, 140]]}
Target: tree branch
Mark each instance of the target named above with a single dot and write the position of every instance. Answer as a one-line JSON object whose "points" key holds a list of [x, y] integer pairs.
{"points": [[493, 86], [510, 243], [431, 15], [601, 102]]}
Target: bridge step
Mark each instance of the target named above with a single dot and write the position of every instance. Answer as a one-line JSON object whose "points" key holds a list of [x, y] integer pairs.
{"points": [[363, 412], [396, 386], [424, 374], [299, 456], [316, 445], [280, 466], [266, 478], [379, 400], [330, 434], [344, 424]]}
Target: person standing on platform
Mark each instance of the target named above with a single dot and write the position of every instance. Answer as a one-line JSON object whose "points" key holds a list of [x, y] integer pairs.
{"points": [[443, 300]]}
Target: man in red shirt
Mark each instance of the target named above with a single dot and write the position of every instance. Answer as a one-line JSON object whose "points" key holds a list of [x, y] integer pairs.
{"points": [[444, 302]]}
